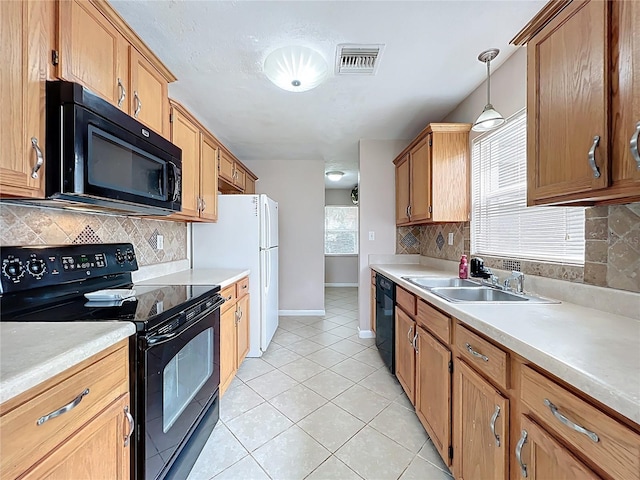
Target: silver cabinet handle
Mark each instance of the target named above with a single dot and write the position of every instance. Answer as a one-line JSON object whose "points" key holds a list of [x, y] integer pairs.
{"points": [[409, 336], [204, 204], [237, 317], [634, 145], [138, 104], [592, 157], [569, 423], [39, 158], [476, 354], [69, 406], [414, 342], [492, 424], [228, 298], [521, 442], [123, 93], [198, 203], [409, 211], [132, 426]]}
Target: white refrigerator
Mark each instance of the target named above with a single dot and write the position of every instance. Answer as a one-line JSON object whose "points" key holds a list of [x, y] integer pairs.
{"points": [[245, 236]]}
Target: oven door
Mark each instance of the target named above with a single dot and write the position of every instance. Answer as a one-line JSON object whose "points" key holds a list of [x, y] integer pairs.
{"points": [[178, 376]]}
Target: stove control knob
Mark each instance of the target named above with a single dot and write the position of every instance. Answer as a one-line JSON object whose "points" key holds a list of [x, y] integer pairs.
{"points": [[12, 269], [119, 257], [130, 256], [37, 268]]}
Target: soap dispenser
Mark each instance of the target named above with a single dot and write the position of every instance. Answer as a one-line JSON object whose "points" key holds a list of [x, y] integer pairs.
{"points": [[463, 270]]}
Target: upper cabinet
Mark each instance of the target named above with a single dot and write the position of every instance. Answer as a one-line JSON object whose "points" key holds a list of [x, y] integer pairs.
{"points": [[25, 30], [583, 103], [234, 177], [96, 48], [432, 176]]}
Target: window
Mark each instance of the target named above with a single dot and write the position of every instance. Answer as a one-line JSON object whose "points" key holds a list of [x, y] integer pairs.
{"points": [[340, 230], [501, 223]]}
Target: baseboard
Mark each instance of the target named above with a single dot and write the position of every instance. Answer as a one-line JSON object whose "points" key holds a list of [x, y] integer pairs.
{"points": [[301, 313], [340, 284], [366, 333]]}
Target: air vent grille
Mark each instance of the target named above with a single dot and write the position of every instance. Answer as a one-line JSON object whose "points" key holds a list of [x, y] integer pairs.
{"points": [[358, 59]]}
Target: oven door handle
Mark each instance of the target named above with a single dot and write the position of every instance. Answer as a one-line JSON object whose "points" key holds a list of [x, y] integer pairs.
{"points": [[153, 340]]}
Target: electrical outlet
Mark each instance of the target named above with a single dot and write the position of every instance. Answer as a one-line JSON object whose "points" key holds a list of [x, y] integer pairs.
{"points": [[372, 235], [160, 242], [451, 238]]}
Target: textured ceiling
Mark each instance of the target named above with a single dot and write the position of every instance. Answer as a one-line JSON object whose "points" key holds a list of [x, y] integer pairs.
{"points": [[429, 64]]}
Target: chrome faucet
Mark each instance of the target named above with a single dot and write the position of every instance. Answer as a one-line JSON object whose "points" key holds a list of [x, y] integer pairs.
{"points": [[519, 278]]}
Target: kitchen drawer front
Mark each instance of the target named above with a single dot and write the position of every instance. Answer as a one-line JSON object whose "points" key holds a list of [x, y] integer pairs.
{"points": [[617, 450], [406, 301], [24, 442], [485, 357], [435, 321], [229, 295], [242, 287]]}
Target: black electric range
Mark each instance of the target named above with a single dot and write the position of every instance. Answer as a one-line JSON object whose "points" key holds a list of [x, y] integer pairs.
{"points": [[174, 356]]}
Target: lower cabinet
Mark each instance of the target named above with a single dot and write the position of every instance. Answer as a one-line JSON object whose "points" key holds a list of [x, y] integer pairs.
{"points": [[481, 422], [74, 425], [405, 353], [234, 330]]}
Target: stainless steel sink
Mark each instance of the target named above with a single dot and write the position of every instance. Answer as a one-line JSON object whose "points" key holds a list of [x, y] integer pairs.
{"points": [[485, 294], [434, 282]]}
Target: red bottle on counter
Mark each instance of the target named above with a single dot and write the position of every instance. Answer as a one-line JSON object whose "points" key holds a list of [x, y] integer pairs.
{"points": [[463, 271]]}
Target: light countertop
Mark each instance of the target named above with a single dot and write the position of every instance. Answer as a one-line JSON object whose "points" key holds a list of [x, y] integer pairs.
{"points": [[202, 276], [596, 352], [32, 352]]}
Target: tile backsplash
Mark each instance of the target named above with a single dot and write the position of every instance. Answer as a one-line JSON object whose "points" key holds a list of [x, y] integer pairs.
{"points": [[44, 226], [612, 248]]}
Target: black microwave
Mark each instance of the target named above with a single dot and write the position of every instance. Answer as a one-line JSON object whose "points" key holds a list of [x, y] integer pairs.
{"points": [[99, 158]]}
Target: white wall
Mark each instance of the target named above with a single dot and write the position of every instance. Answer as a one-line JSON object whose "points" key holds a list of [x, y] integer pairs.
{"points": [[338, 196], [377, 211], [341, 270], [298, 187]]}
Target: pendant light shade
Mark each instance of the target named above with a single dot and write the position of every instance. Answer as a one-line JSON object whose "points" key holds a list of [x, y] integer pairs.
{"points": [[490, 118], [295, 68]]}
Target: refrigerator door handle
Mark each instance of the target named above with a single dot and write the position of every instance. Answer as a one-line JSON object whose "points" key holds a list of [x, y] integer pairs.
{"points": [[267, 220], [267, 270]]}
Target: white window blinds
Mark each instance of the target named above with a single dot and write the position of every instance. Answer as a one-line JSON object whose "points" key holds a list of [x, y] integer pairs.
{"points": [[340, 230], [501, 223]]}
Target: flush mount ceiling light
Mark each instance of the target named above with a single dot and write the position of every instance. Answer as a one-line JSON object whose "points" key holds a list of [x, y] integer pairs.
{"points": [[296, 69], [489, 118], [335, 175]]}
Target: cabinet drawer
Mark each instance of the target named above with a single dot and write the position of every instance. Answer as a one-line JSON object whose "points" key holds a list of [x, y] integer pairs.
{"points": [[406, 300], [229, 295], [617, 449], [485, 357], [24, 442], [242, 287], [434, 321]]}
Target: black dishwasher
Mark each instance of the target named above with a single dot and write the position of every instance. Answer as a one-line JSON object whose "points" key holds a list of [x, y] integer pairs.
{"points": [[385, 321]]}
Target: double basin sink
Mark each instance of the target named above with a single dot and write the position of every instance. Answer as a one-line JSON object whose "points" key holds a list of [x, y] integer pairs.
{"points": [[462, 290]]}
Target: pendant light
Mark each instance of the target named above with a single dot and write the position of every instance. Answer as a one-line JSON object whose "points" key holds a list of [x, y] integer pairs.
{"points": [[295, 68], [334, 175], [489, 118]]}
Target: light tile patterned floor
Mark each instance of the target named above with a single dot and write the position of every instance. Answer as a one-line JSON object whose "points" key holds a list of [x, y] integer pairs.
{"points": [[319, 405]]}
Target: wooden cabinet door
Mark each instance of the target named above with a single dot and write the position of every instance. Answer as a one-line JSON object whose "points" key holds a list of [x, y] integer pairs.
{"points": [[23, 33], [420, 156], [478, 452], [149, 101], [97, 450], [626, 97], [402, 191], [567, 102], [240, 177], [209, 179], [226, 166], [92, 52], [228, 346], [540, 457], [243, 321], [250, 186], [186, 135], [405, 354], [433, 391]]}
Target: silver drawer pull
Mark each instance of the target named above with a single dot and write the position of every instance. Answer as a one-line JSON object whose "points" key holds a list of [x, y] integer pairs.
{"points": [[569, 423], [414, 342], [409, 336], [492, 424], [69, 406], [476, 354], [132, 426], [592, 157], [123, 93], [138, 104], [521, 442], [634, 145], [39, 157]]}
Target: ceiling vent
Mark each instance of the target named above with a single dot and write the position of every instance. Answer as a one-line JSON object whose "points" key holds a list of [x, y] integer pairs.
{"points": [[358, 59]]}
